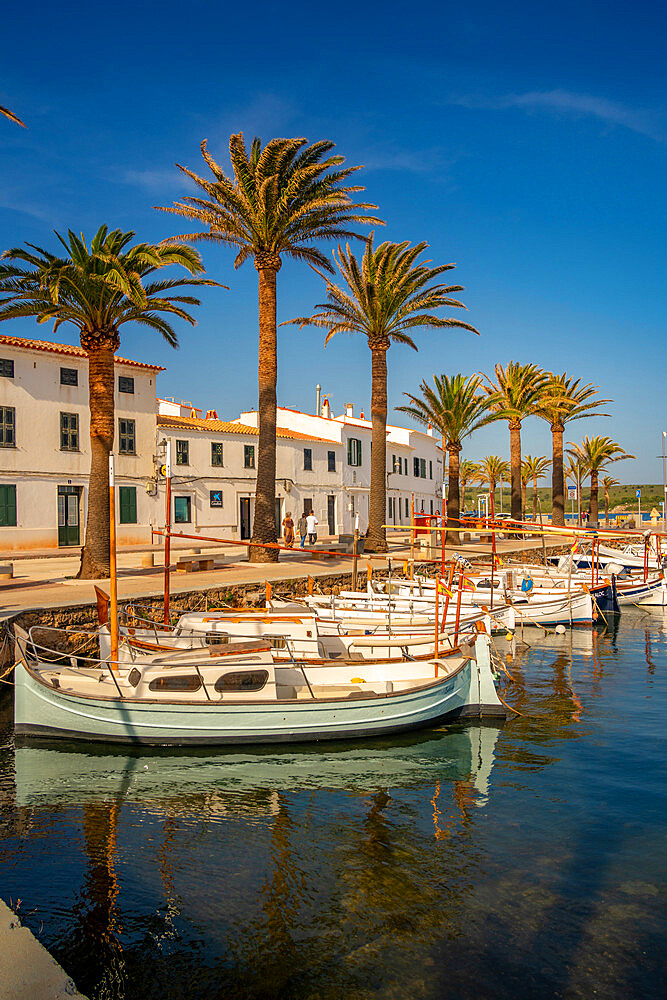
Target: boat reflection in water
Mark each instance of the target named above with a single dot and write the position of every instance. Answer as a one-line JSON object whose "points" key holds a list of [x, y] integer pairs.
{"points": [[178, 781]]}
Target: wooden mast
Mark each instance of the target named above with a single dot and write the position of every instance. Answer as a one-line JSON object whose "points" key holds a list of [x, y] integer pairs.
{"points": [[113, 601]]}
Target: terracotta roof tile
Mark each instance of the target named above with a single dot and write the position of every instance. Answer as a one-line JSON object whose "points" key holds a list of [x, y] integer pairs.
{"points": [[199, 424], [70, 349]]}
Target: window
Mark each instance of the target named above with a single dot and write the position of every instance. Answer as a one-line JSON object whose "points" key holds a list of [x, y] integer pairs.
{"points": [[415, 467], [216, 453], [7, 506], [430, 470], [125, 384], [353, 451], [308, 459], [69, 376], [242, 680], [7, 427], [431, 506], [6, 368], [307, 504], [407, 508], [405, 466], [126, 437], [182, 510], [182, 452], [331, 461], [422, 468], [396, 464], [215, 498], [249, 456], [127, 503], [391, 507], [179, 682], [69, 432]]}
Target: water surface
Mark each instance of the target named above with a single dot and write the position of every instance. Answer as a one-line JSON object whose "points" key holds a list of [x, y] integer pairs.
{"points": [[522, 861]]}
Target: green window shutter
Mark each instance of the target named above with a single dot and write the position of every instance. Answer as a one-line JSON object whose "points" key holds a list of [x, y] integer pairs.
{"points": [[7, 506], [349, 451], [128, 504]]}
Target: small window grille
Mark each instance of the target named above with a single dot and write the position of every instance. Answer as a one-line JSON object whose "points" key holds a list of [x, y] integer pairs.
{"points": [[125, 384], [69, 376]]}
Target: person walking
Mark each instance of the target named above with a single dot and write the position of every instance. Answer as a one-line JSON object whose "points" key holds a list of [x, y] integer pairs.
{"points": [[303, 527], [288, 529], [312, 523]]}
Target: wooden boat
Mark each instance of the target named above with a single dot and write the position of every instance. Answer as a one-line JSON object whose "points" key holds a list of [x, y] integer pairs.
{"points": [[234, 694]]}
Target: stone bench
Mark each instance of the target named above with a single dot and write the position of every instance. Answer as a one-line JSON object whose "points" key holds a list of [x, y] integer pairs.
{"points": [[195, 565]]}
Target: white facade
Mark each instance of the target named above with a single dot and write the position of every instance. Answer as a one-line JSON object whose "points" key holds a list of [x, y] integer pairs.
{"points": [[45, 445]]}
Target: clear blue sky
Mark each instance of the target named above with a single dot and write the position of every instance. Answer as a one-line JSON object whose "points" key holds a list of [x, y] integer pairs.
{"points": [[525, 142]]}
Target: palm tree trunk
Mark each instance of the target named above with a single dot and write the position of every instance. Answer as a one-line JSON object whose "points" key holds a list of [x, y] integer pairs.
{"points": [[524, 487], [515, 465], [557, 476], [453, 510], [594, 501], [264, 526], [96, 553], [376, 537], [606, 508], [535, 499]]}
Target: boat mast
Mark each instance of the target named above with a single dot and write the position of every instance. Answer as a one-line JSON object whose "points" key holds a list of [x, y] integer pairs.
{"points": [[167, 528], [113, 602]]}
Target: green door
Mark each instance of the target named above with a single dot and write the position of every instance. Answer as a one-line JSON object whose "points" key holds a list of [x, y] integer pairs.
{"points": [[68, 515]]}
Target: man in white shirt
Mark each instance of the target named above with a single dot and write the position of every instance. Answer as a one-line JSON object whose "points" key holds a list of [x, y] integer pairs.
{"points": [[312, 523]]}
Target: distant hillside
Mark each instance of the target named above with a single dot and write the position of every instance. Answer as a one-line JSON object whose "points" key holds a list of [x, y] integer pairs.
{"points": [[623, 496]]}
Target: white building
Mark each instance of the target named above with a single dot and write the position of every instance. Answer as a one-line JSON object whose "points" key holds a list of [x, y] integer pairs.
{"points": [[45, 445]]}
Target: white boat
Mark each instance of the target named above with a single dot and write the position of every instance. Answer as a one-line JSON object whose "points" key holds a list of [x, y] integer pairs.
{"points": [[227, 695], [650, 593], [574, 608]]}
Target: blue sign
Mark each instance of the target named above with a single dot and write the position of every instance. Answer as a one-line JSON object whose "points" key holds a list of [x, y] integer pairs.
{"points": [[639, 493]]}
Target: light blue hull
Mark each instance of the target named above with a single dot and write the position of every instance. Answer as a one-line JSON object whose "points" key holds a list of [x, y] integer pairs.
{"points": [[44, 711]]}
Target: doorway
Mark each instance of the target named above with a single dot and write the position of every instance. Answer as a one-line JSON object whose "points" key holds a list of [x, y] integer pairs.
{"points": [[279, 519], [331, 514], [68, 515], [245, 517]]}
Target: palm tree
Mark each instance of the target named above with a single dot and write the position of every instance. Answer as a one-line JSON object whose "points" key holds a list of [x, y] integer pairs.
{"points": [[576, 470], [280, 200], [536, 467], [97, 290], [12, 117], [607, 483], [525, 476], [456, 408], [565, 399], [597, 453], [493, 470], [468, 473], [517, 393], [385, 295]]}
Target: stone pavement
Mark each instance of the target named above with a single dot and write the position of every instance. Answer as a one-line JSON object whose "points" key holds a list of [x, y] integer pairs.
{"points": [[27, 970], [49, 583]]}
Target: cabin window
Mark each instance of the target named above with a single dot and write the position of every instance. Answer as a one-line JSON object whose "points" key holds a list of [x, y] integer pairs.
{"points": [[126, 437], [353, 451], [249, 456], [308, 459], [127, 503], [125, 384], [331, 461], [8, 506], [6, 368], [134, 677], [69, 432], [242, 680], [182, 452], [7, 427], [69, 376], [176, 682], [216, 453]]}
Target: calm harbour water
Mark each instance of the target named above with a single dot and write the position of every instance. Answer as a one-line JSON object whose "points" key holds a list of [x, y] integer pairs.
{"points": [[525, 861]]}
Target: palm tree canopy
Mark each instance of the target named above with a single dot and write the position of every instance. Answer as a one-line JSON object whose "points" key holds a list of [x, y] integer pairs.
{"points": [[280, 198], [386, 295], [12, 117], [493, 468], [98, 288], [454, 406], [608, 482], [535, 467], [468, 471], [517, 390], [597, 452], [565, 399]]}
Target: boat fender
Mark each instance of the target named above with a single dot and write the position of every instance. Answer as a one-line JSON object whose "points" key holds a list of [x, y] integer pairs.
{"points": [[357, 680]]}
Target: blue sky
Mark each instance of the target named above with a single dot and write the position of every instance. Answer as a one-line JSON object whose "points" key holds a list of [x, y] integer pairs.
{"points": [[527, 145]]}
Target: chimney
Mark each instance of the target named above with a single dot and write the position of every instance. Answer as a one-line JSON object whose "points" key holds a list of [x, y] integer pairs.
{"points": [[318, 390], [211, 414], [361, 415], [349, 410], [429, 430], [326, 409]]}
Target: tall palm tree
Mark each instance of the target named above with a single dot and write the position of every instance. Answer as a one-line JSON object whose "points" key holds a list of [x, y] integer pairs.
{"points": [[517, 392], [468, 473], [12, 117], [597, 453], [456, 408], [97, 289], [493, 470], [280, 200], [565, 399], [607, 483], [387, 294], [536, 467]]}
